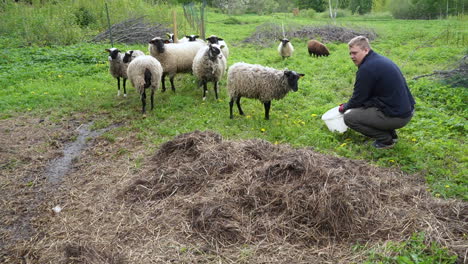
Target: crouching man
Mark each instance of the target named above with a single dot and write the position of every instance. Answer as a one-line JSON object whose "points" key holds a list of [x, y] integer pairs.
{"points": [[381, 101]]}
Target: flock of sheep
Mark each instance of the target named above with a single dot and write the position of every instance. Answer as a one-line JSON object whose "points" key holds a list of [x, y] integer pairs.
{"points": [[208, 62]]}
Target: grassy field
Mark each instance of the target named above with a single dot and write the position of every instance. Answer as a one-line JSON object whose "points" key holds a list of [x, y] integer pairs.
{"points": [[64, 82]]}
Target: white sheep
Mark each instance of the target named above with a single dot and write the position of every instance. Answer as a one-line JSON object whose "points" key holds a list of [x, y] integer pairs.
{"points": [[209, 65], [259, 82], [285, 48], [127, 58], [145, 71], [213, 39], [116, 68], [174, 57]]}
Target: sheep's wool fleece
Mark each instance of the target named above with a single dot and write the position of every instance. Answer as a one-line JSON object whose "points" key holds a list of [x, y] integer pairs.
{"points": [[116, 68], [177, 57], [286, 50], [136, 72], [206, 69], [135, 54], [256, 81]]}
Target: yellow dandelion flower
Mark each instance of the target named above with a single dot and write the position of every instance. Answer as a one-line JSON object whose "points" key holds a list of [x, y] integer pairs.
{"points": [[220, 100], [344, 144], [276, 142], [413, 139], [29, 109], [80, 94], [302, 122], [437, 195], [391, 160], [447, 186], [262, 129], [286, 115], [313, 115], [60, 76]]}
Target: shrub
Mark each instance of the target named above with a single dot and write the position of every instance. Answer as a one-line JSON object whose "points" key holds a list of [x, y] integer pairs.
{"points": [[308, 13]]}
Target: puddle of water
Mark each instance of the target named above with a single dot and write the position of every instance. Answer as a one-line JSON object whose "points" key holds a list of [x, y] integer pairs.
{"points": [[61, 166]]}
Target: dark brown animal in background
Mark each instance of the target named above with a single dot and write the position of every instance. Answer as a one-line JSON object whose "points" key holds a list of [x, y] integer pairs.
{"points": [[317, 48]]}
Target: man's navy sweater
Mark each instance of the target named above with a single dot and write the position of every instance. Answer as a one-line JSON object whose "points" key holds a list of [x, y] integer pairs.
{"points": [[380, 83]]}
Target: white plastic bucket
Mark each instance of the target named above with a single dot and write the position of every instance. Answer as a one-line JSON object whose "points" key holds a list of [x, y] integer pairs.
{"points": [[334, 120]]}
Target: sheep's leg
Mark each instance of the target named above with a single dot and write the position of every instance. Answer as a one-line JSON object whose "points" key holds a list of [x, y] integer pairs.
{"points": [[267, 109], [172, 82], [231, 104], [125, 89], [118, 86], [163, 77], [205, 88], [238, 106], [216, 90], [143, 101]]}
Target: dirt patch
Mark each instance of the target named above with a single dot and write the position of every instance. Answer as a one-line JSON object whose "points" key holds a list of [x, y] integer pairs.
{"points": [[269, 33], [202, 199]]}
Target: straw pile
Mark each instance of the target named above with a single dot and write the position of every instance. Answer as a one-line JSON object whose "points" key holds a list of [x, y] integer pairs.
{"points": [[203, 199]]}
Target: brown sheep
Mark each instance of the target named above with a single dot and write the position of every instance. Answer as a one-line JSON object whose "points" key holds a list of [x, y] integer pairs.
{"points": [[317, 48]]}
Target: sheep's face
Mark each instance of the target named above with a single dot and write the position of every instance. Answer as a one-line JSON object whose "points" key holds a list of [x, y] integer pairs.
{"points": [[213, 52], [158, 43], [214, 39], [192, 37], [113, 53], [284, 41], [292, 78], [128, 56]]}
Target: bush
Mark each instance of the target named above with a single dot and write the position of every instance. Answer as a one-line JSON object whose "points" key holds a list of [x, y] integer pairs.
{"points": [[308, 13], [339, 13]]}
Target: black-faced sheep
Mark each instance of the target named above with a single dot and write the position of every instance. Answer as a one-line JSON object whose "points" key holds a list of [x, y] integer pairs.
{"points": [[317, 48], [187, 38], [174, 57], [145, 71], [127, 58], [259, 82], [213, 39], [116, 68], [209, 65], [285, 48]]}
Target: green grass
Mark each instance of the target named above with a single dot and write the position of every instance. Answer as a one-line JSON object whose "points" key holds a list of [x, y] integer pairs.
{"points": [[61, 81]]}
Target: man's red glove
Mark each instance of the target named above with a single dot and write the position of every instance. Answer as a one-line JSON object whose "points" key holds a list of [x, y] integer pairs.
{"points": [[341, 108]]}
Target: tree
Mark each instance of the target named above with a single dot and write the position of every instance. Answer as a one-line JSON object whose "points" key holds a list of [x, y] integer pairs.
{"points": [[360, 6]]}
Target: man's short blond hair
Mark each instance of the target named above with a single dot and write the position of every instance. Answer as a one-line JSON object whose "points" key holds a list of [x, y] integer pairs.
{"points": [[360, 41]]}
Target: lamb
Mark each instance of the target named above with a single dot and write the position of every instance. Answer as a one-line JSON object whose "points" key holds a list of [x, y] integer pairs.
{"points": [[317, 48], [116, 68], [174, 58], [213, 39], [145, 71], [285, 48], [209, 65], [127, 58], [259, 82]]}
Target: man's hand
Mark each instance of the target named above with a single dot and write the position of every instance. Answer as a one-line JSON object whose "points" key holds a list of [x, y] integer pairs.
{"points": [[341, 108]]}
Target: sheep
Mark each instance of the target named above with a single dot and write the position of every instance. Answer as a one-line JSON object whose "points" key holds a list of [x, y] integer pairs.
{"points": [[317, 48], [209, 65], [174, 57], [259, 82], [145, 71], [213, 39], [116, 68], [187, 38], [285, 48], [127, 58]]}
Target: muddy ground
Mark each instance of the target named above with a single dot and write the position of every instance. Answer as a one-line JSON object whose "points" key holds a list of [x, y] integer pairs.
{"points": [[73, 195]]}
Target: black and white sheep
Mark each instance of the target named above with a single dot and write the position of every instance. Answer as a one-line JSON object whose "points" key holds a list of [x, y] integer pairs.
{"points": [[259, 82], [187, 38], [127, 58], [116, 68], [317, 48], [145, 72], [213, 39], [174, 57], [209, 65], [285, 48]]}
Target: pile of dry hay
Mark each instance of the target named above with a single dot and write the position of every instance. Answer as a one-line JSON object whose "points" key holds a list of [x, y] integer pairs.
{"points": [[202, 199], [133, 31], [267, 33]]}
